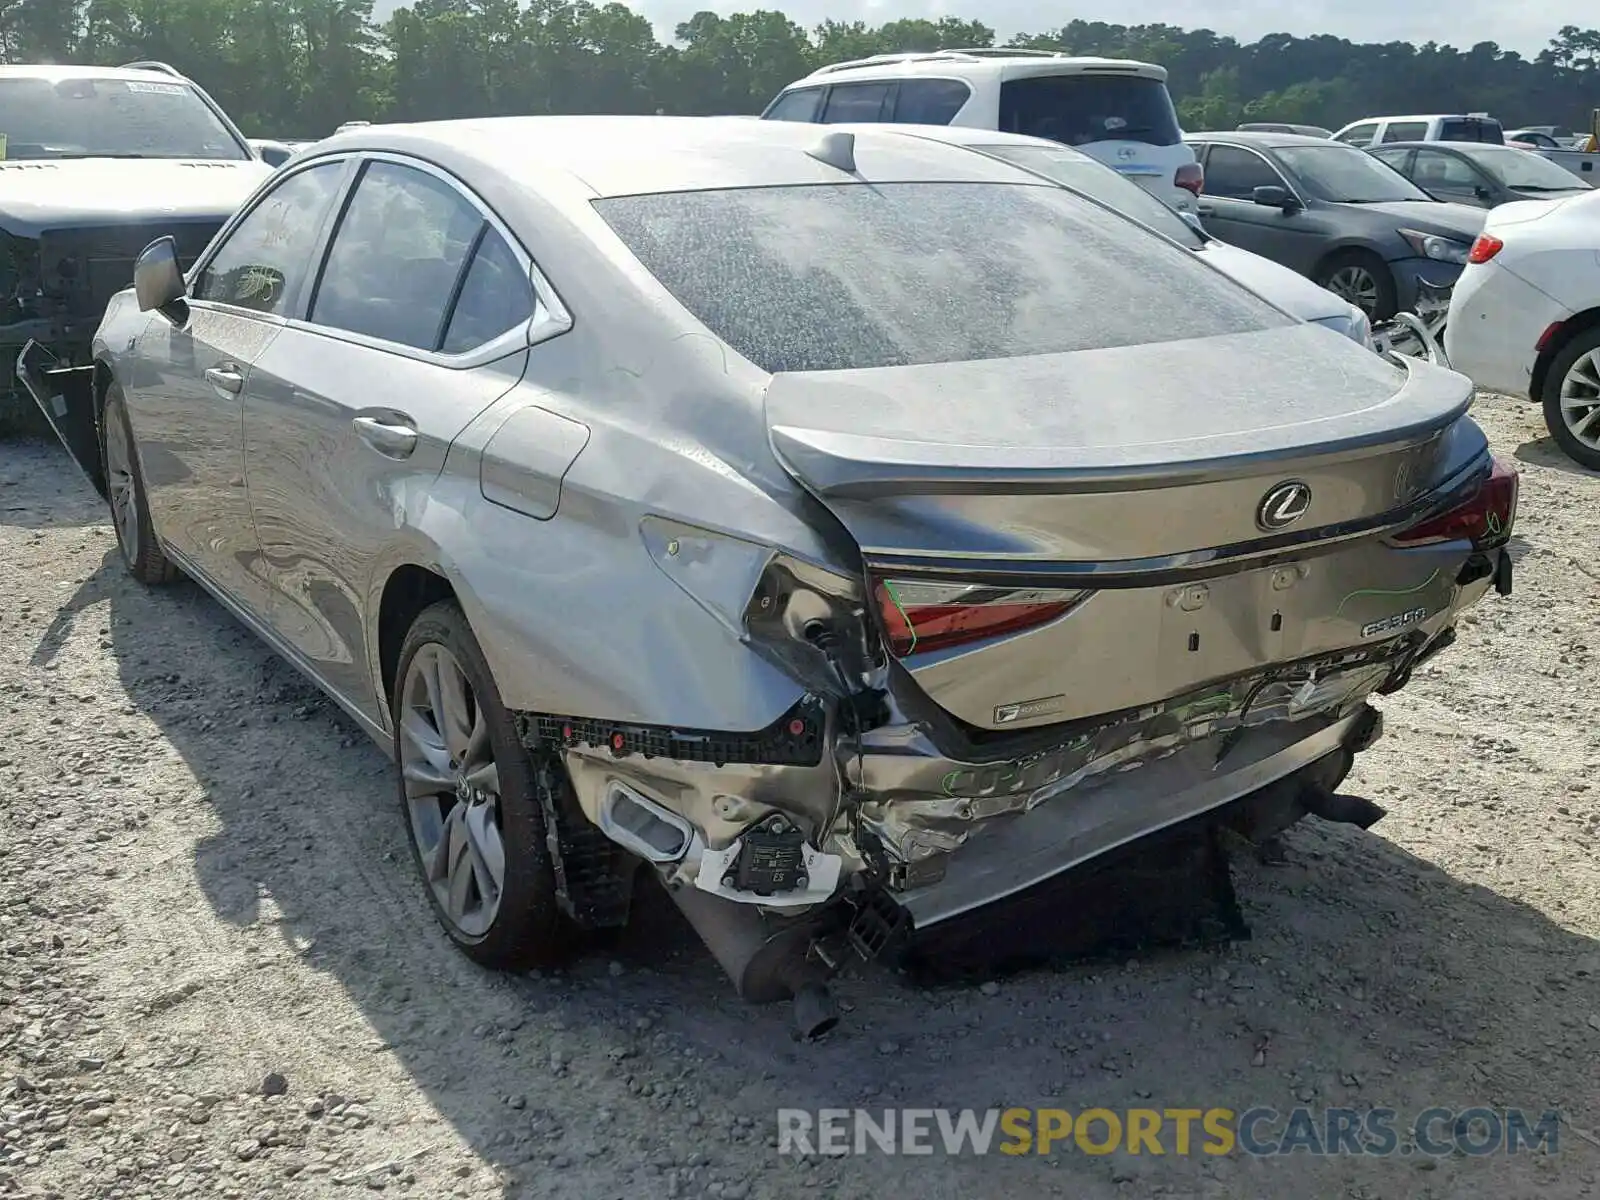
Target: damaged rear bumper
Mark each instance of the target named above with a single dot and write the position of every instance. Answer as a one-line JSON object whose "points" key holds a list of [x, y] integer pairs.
{"points": [[1007, 857], [786, 820]]}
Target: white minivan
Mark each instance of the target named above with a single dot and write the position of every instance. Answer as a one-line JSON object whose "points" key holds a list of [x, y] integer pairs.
{"points": [[1112, 109]]}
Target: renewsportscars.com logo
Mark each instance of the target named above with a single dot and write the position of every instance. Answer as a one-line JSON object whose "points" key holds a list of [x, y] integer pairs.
{"points": [[1259, 1132]]}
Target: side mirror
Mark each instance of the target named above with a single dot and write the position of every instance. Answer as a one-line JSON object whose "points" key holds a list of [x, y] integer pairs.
{"points": [[1483, 193], [276, 156], [1273, 196], [158, 282]]}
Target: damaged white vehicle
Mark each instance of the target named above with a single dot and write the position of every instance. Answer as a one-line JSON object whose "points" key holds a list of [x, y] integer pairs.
{"points": [[855, 529]]}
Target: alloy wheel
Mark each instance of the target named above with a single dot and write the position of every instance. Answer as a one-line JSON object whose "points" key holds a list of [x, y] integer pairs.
{"points": [[120, 484], [1356, 284], [1580, 399], [452, 790]]}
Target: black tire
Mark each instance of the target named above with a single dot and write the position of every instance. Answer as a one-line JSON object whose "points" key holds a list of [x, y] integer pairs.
{"points": [[130, 511], [528, 928], [1555, 420], [1385, 300]]}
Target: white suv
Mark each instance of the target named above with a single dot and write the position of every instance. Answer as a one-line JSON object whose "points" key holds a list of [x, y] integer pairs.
{"points": [[1112, 109]]}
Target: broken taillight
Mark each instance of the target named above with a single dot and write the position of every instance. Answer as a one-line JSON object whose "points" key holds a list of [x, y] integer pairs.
{"points": [[1484, 519], [918, 617]]}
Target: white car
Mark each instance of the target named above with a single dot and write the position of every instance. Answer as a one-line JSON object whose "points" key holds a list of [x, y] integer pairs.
{"points": [[1113, 109], [1525, 314], [1287, 289], [1428, 127]]}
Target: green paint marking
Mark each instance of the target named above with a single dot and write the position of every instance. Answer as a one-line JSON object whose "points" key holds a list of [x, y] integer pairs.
{"points": [[894, 598], [1411, 591]]}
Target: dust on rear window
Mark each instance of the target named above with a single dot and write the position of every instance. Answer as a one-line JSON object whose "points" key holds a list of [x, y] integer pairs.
{"points": [[837, 277]]}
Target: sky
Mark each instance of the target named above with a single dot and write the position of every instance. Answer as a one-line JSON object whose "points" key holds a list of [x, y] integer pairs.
{"points": [[1526, 28]]}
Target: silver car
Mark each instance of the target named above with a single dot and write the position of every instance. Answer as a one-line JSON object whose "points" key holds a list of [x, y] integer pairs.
{"points": [[705, 495]]}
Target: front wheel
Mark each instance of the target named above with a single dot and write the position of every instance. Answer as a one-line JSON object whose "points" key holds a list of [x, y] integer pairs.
{"points": [[1572, 399], [1363, 279], [130, 511], [468, 790]]}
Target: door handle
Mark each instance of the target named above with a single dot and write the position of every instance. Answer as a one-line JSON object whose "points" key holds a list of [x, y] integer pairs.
{"points": [[391, 435], [1205, 210], [226, 378]]}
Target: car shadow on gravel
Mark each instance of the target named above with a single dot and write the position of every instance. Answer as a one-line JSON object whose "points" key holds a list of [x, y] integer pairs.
{"points": [[74, 505], [1544, 452], [1372, 978]]}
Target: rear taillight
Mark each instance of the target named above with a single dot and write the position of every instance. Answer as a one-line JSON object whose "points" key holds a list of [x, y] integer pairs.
{"points": [[1484, 247], [1191, 177], [1485, 519], [919, 617]]}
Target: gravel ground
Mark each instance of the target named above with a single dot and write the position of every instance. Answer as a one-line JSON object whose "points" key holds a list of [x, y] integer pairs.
{"points": [[220, 977]]}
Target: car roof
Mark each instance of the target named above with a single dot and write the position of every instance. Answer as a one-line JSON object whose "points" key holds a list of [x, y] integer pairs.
{"points": [[978, 63], [1250, 137], [600, 156], [1457, 147], [56, 72], [964, 135], [1457, 116]]}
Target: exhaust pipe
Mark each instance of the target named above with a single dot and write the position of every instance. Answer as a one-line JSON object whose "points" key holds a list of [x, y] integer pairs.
{"points": [[765, 963]]}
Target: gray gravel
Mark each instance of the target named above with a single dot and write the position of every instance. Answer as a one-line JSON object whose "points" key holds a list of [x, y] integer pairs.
{"points": [[220, 978]]}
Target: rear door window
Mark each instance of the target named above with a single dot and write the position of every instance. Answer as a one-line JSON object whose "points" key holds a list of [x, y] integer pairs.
{"points": [[1400, 160], [858, 102], [1360, 135], [835, 277], [396, 256], [798, 105], [1236, 173], [1081, 109], [1405, 131], [930, 101], [1437, 171]]}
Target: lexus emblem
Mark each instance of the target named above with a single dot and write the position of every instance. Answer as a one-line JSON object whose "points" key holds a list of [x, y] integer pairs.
{"points": [[1126, 153], [1283, 506]]}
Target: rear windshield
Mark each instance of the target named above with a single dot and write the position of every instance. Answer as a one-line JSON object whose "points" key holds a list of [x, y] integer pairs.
{"points": [[1524, 171], [1081, 109], [834, 277], [110, 118], [1344, 175], [1471, 129], [1099, 182]]}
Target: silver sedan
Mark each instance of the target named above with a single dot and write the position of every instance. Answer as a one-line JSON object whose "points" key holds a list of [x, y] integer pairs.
{"points": [[703, 497]]}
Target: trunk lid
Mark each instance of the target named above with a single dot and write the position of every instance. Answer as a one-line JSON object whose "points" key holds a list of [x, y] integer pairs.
{"points": [[1135, 479]]}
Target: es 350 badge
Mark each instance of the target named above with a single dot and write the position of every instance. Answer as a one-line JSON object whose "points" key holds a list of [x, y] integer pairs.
{"points": [[1399, 621]]}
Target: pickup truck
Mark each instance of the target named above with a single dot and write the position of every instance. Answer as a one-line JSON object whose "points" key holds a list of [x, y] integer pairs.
{"points": [[1580, 162], [95, 164], [1371, 132]]}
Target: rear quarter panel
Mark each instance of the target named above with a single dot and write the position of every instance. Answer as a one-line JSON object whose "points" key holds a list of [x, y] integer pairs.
{"points": [[575, 615]]}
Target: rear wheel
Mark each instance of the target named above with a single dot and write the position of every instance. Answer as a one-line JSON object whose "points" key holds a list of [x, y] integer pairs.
{"points": [[1572, 399], [130, 512], [468, 789], [1363, 279]]}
